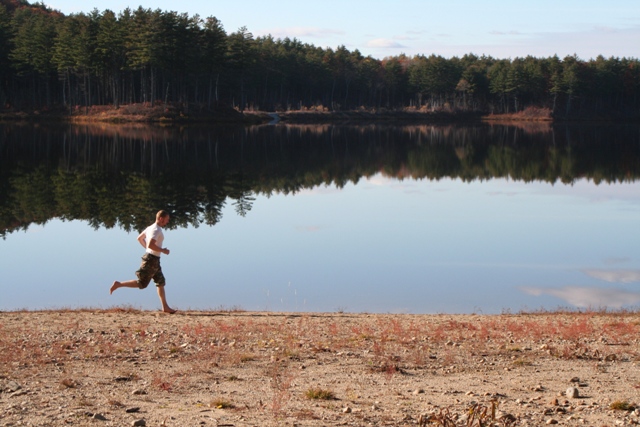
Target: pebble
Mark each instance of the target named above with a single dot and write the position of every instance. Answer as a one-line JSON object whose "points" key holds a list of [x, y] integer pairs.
{"points": [[11, 386], [139, 423], [95, 416], [346, 410], [507, 418], [572, 393], [552, 421]]}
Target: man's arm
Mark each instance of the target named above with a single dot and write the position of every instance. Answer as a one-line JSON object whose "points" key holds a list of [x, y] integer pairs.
{"points": [[154, 247], [142, 239]]}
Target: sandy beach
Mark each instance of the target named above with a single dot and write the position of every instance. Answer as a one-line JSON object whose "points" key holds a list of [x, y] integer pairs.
{"points": [[125, 367]]}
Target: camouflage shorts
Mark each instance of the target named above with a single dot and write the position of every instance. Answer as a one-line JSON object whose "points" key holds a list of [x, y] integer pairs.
{"points": [[150, 269]]}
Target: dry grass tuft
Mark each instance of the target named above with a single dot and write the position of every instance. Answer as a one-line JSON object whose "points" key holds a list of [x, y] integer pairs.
{"points": [[521, 361], [477, 415], [622, 405], [319, 394], [220, 403], [69, 383], [115, 403]]}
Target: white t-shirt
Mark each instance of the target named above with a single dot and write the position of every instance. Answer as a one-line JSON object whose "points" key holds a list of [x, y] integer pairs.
{"points": [[154, 231]]}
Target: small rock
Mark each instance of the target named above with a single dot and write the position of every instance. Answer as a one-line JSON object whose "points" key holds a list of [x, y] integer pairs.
{"points": [[139, 423], [418, 391], [575, 380], [507, 419], [132, 410], [346, 410], [95, 416], [552, 421], [572, 393], [139, 392], [10, 387]]}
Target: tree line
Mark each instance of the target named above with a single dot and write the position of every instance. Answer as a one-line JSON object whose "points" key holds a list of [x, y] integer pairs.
{"points": [[115, 177], [49, 60]]}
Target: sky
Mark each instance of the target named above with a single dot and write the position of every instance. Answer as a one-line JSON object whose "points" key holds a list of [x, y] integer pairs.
{"points": [[383, 28]]}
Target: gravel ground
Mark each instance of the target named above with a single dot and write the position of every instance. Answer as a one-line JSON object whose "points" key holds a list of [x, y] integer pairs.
{"points": [[124, 367]]}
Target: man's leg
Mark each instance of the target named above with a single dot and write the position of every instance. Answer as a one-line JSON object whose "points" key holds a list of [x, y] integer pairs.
{"points": [[163, 300], [127, 284]]}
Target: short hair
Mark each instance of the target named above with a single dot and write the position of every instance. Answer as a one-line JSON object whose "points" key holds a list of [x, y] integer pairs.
{"points": [[161, 214]]}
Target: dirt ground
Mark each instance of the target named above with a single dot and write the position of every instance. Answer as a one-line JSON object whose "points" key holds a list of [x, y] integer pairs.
{"points": [[124, 367]]}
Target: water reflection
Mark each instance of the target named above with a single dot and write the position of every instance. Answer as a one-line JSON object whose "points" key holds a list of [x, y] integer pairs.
{"points": [[116, 175], [590, 297], [615, 276], [413, 218]]}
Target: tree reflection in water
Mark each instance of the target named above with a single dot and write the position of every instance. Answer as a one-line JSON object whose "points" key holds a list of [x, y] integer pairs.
{"points": [[118, 175]]}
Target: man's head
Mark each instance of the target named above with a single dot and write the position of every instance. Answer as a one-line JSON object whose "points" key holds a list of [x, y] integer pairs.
{"points": [[162, 218]]}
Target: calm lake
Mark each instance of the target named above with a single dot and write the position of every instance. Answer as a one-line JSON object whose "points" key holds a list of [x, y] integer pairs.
{"points": [[474, 218]]}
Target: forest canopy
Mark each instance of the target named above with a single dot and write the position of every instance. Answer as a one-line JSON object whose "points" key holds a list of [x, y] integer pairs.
{"points": [[49, 60]]}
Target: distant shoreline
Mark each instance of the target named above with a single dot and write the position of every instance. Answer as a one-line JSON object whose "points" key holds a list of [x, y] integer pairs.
{"points": [[168, 115]]}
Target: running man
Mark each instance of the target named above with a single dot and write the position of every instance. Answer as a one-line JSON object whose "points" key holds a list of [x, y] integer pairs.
{"points": [[151, 239]]}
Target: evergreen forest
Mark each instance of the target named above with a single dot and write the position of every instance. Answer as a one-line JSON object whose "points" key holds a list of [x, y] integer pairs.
{"points": [[52, 61]]}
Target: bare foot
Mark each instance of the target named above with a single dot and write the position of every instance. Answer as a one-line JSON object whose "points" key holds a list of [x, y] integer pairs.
{"points": [[115, 286], [169, 310]]}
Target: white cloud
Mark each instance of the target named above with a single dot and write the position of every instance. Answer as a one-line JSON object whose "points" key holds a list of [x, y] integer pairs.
{"points": [[585, 43], [379, 181], [384, 44], [302, 32], [308, 228], [585, 297], [622, 260], [505, 33], [410, 37], [615, 276]]}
